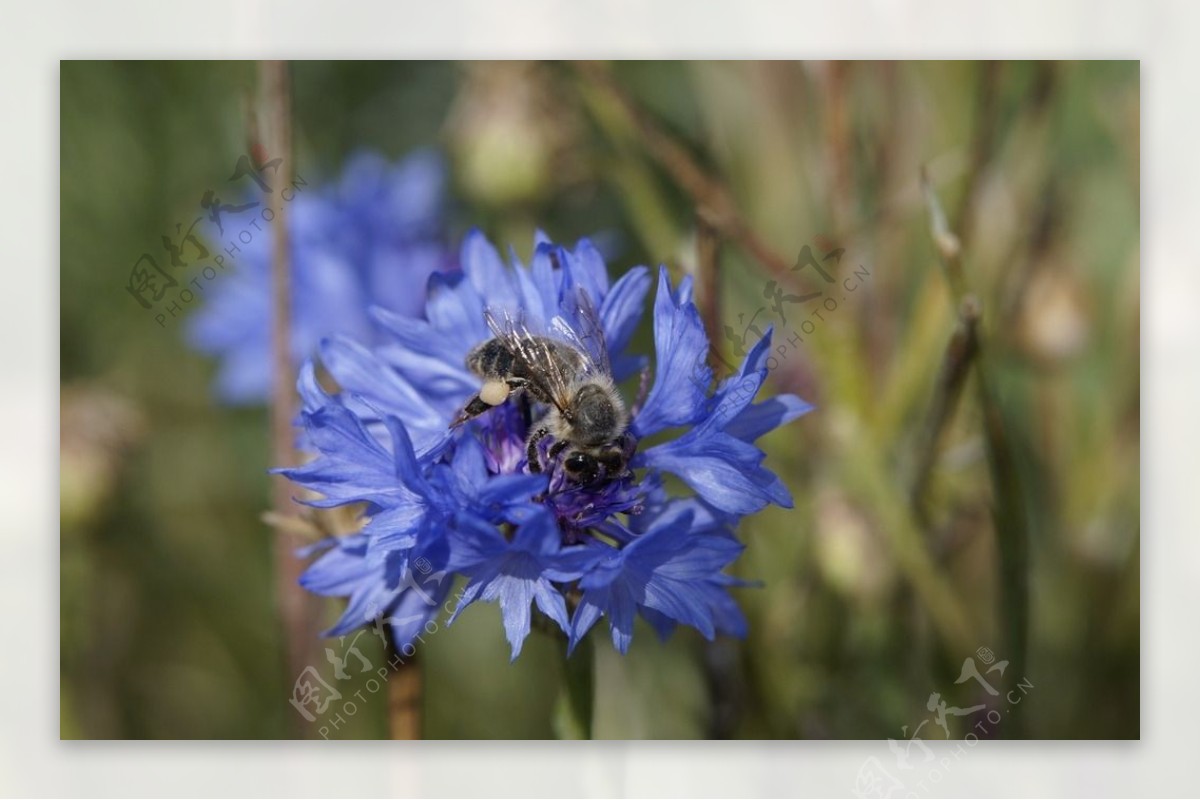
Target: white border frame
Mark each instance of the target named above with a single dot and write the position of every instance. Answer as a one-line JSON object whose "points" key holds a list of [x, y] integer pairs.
{"points": [[32, 759]]}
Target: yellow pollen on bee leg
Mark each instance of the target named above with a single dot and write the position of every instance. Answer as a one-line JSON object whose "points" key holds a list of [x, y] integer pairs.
{"points": [[494, 392]]}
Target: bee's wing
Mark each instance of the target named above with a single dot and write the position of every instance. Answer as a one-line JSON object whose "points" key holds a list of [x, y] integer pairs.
{"points": [[579, 324], [541, 363]]}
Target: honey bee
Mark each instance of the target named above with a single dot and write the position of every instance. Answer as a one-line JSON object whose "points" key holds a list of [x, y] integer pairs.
{"points": [[573, 377]]}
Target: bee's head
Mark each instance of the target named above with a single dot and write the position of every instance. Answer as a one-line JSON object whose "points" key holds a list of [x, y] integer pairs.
{"points": [[590, 465]]}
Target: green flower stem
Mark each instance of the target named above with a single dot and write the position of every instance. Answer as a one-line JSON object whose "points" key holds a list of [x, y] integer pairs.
{"points": [[578, 700]]}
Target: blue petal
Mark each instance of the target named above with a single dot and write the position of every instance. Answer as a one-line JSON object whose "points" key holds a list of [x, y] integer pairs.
{"points": [[407, 619], [669, 574], [510, 573], [724, 471], [369, 599], [412, 195], [358, 371], [681, 374], [408, 470], [571, 563], [586, 267], [766, 416], [339, 571], [504, 495], [397, 527], [731, 405], [551, 603], [545, 278], [727, 616], [540, 536], [482, 265], [587, 614], [663, 625], [428, 359], [617, 602], [622, 308], [352, 465], [683, 601], [473, 542], [515, 594], [312, 396], [532, 299]]}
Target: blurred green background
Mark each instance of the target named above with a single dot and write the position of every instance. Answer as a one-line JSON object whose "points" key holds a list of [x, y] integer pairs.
{"points": [[1025, 540]]}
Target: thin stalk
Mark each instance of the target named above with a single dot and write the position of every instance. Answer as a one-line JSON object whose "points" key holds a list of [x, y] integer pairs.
{"points": [[1008, 458], [405, 689], [708, 281], [579, 685], [838, 142], [298, 610], [720, 656], [712, 199], [956, 363], [983, 142]]}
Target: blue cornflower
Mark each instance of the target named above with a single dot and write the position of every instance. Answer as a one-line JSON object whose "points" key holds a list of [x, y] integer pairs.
{"points": [[466, 502], [371, 238]]}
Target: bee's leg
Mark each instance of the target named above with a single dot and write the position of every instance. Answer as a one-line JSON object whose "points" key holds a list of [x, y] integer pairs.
{"points": [[535, 464], [517, 387], [526, 409], [474, 407], [557, 448], [493, 393]]}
